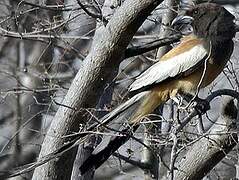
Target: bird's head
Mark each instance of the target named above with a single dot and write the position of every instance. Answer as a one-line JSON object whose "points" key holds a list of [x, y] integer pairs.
{"points": [[209, 20]]}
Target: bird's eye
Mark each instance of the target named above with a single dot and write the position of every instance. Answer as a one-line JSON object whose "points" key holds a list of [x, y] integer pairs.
{"points": [[195, 11]]}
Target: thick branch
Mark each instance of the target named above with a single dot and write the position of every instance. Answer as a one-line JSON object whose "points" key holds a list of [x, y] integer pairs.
{"points": [[212, 148], [108, 46]]}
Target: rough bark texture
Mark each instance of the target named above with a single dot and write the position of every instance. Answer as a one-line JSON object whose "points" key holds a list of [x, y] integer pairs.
{"points": [[167, 18], [223, 2], [210, 149], [107, 49], [86, 149]]}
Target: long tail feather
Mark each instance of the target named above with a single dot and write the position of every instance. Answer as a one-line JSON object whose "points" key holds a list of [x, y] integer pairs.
{"points": [[110, 144], [98, 158]]}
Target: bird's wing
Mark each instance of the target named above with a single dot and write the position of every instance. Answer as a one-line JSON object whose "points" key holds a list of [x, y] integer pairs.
{"points": [[185, 57]]}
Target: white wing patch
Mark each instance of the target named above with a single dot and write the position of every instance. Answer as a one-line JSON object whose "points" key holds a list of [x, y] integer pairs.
{"points": [[170, 68]]}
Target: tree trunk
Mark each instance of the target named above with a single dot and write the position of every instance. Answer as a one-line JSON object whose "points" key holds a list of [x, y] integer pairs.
{"points": [[108, 46]]}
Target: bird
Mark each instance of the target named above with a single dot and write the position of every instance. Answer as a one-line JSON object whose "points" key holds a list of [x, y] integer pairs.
{"points": [[191, 65]]}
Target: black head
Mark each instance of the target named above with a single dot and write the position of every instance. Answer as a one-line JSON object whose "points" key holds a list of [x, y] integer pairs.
{"points": [[211, 21]]}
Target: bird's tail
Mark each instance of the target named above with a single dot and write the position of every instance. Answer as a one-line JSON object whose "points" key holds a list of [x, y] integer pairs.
{"points": [[132, 111]]}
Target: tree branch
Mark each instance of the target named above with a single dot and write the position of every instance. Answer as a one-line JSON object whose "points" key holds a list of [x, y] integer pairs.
{"points": [[105, 55], [132, 162], [210, 149], [137, 50], [222, 2], [94, 15]]}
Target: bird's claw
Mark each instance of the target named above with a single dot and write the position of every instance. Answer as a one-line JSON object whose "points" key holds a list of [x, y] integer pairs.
{"points": [[201, 106]]}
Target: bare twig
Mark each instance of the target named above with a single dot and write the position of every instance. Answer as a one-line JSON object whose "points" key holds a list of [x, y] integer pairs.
{"points": [[133, 162], [204, 154], [173, 155], [94, 15], [75, 140], [50, 7]]}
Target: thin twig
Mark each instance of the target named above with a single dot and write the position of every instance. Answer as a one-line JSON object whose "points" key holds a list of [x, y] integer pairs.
{"points": [[94, 15], [173, 155], [133, 162]]}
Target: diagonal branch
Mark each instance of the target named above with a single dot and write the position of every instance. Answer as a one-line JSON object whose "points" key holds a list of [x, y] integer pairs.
{"points": [[108, 46], [137, 50], [211, 149]]}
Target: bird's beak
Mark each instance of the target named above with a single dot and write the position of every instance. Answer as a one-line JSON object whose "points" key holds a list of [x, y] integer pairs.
{"points": [[182, 19]]}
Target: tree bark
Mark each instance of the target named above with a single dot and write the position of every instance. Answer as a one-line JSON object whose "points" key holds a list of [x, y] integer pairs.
{"points": [[222, 2], [211, 148], [108, 46]]}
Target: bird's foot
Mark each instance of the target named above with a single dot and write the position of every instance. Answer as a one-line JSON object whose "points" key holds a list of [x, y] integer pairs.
{"points": [[201, 105]]}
